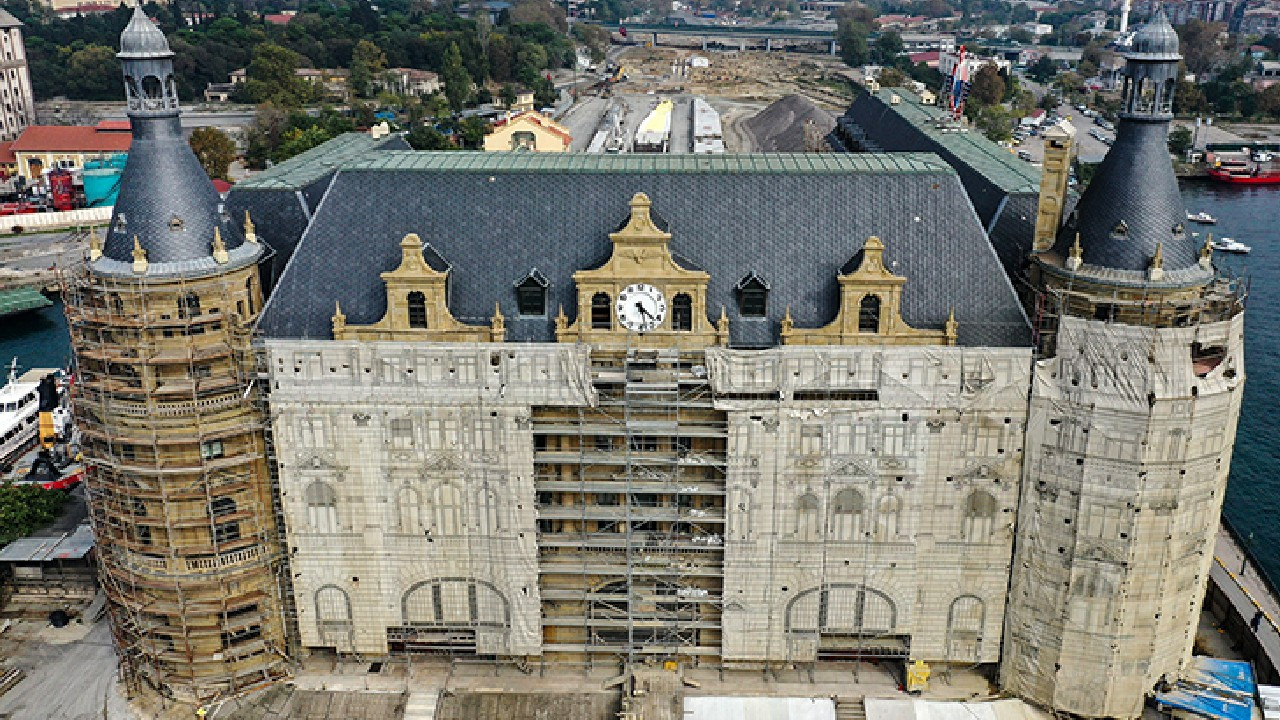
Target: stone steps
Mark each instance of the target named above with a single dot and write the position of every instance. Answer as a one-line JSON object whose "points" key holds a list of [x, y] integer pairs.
{"points": [[421, 705], [850, 708]]}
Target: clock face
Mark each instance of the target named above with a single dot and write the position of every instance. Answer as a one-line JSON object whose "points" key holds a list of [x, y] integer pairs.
{"points": [[641, 307]]}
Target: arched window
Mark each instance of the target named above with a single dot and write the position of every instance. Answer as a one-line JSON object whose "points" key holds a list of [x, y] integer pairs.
{"points": [[417, 310], [601, 312], [964, 629], [172, 88], [887, 521], [869, 314], [131, 87], [808, 512], [409, 509], [228, 531], [979, 516], [248, 290], [151, 88], [1166, 96], [322, 507], [446, 502], [682, 312], [333, 616], [846, 515]]}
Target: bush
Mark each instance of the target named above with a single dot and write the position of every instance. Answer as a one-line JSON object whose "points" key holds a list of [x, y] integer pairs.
{"points": [[17, 229], [24, 508]]}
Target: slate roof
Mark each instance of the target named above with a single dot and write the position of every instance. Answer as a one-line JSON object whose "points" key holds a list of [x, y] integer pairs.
{"points": [[794, 220], [1135, 185], [1004, 190], [282, 199], [141, 39]]}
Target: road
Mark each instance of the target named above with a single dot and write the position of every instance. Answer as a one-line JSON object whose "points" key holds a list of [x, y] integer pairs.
{"points": [[70, 673]]}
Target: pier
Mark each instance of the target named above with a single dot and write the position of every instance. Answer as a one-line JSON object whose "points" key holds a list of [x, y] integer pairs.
{"points": [[1237, 593]]}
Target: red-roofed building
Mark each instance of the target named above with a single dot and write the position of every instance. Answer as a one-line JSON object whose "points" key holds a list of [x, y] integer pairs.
{"points": [[8, 161], [43, 147], [279, 18], [929, 57]]}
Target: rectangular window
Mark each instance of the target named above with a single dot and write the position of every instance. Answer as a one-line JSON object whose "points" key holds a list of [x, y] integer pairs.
{"points": [[811, 440], [201, 371], [402, 433], [211, 450], [895, 440], [311, 432]]}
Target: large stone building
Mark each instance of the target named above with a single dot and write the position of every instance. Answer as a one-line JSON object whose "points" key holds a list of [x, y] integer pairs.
{"points": [[17, 103], [738, 411]]}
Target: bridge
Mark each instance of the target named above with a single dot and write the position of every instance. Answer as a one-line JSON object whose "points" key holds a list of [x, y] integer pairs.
{"points": [[766, 35]]}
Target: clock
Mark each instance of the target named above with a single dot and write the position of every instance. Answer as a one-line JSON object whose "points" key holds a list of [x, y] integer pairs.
{"points": [[641, 307]]}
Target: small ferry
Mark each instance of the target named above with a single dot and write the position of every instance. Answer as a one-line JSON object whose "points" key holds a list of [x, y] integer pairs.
{"points": [[1202, 217], [20, 412], [1230, 245]]}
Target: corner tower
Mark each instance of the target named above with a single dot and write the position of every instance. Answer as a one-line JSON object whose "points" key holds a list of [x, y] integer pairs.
{"points": [[160, 318], [1132, 420]]}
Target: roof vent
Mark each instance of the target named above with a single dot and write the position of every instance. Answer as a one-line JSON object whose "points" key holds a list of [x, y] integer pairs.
{"points": [[894, 99], [379, 131]]}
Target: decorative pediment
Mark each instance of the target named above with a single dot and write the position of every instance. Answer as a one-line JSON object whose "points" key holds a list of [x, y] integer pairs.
{"points": [[870, 302], [642, 256], [417, 307]]}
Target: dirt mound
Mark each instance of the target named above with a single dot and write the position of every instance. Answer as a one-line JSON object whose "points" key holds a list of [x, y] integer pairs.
{"points": [[781, 126]]}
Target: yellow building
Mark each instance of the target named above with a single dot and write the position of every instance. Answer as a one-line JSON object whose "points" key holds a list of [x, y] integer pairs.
{"points": [[530, 132]]}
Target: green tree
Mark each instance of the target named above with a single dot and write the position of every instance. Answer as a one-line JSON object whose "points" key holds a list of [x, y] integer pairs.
{"points": [[1189, 99], [298, 141], [1200, 47], [594, 38], [888, 47], [852, 37], [995, 121], [457, 83], [892, 77], [93, 73], [368, 62], [1179, 141], [215, 149], [272, 77], [1269, 101], [425, 137], [1043, 69], [508, 95], [25, 508], [988, 87]]}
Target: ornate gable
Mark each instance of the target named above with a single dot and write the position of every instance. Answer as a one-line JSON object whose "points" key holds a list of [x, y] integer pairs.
{"points": [[870, 298], [641, 256], [417, 307]]}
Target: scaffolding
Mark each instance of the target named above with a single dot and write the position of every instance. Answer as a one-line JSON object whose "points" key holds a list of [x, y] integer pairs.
{"points": [[631, 513], [177, 478]]}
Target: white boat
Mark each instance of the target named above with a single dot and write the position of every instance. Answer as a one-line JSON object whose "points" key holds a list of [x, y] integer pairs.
{"points": [[19, 411], [1230, 245], [1202, 217]]}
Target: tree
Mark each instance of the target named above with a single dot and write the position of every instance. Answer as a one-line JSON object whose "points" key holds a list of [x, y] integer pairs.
{"points": [[457, 83], [24, 508], [1189, 99], [272, 77], [1269, 101], [1043, 69], [852, 37], [988, 87], [425, 137], [368, 62], [995, 122], [892, 77], [539, 11], [508, 95], [888, 47], [595, 38], [297, 141], [215, 149], [1179, 141], [93, 73], [1200, 46]]}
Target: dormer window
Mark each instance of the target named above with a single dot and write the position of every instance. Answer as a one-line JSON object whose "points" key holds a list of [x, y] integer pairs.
{"points": [[122, 222], [531, 294], [1121, 229], [1178, 229], [753, 296], [175, 223]]}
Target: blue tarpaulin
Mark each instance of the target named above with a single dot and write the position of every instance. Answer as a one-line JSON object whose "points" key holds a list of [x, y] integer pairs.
{"points": [[1213, 688]]}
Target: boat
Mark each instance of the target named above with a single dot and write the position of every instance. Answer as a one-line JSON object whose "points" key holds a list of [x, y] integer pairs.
{"points": [[20, 406], [1245, 166], [1230, 245], [1202, 217]]}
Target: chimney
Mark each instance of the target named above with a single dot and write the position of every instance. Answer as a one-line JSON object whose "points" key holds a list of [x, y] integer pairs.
{"points": [[1059, 144]]}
